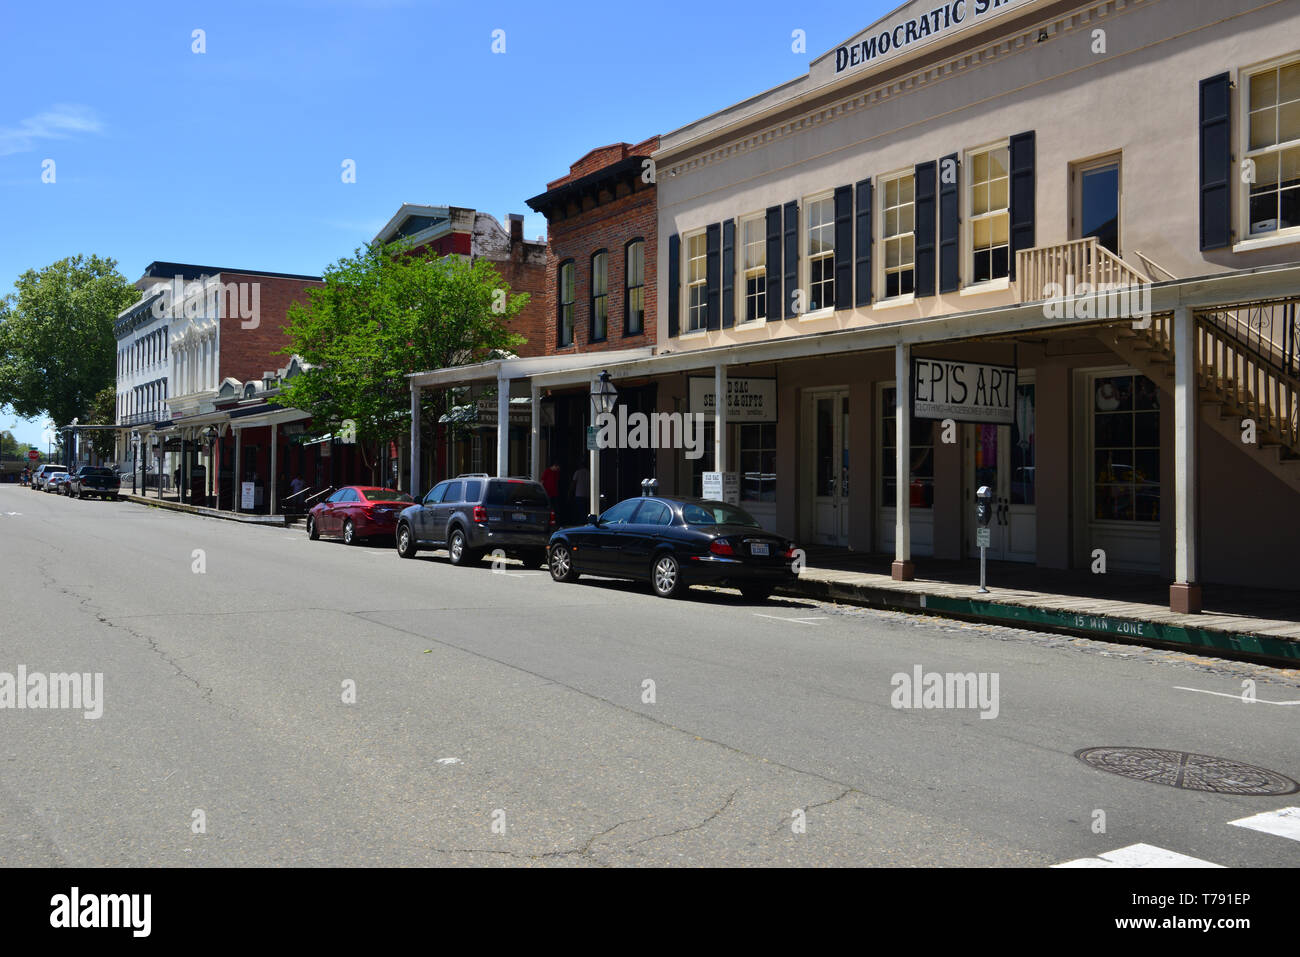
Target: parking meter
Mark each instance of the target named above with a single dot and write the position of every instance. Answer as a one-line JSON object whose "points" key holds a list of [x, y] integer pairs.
{"points": [[649, 486], [983, 515]]}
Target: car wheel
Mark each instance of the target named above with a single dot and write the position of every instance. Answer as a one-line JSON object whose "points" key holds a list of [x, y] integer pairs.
{"points": [[458, 549], [349, 533], [756, 592], [313, 532], [666, 577], [405, 542], [561, 564]]}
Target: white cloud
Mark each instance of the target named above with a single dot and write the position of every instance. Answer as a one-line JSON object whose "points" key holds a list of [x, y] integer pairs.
{"points": [[57, 123]]}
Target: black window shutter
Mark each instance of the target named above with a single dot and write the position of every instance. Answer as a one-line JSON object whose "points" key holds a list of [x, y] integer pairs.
{"points": [[712, 274], [862, 251], [844, 247], [1216, 162], [949, 224], [1023, 181], [924, 229], [773, 262], [674, 284], [728, 273], [791, 234]]}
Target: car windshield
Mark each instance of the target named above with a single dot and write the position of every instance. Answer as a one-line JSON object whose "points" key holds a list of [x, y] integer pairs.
{"points": [[716, 513], [97, 471], [387, 495], [516, 494]]}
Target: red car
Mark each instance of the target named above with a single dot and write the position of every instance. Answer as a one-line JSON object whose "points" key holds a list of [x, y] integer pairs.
{"points": [[355, 512]]}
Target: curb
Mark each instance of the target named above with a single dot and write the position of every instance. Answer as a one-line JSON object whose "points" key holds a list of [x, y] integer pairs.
{"points": [[276, 521], [1219, 643]]}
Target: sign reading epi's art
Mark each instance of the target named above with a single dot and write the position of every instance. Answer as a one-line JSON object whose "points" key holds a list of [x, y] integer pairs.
{"points": [[963, 391], [942, 19], [748, 399]]}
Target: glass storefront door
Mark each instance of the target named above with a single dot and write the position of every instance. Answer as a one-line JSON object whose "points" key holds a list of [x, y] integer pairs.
{"points": [[1002, 458]]}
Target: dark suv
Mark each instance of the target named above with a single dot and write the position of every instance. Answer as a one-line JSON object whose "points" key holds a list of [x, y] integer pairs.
{"points": [[473, 514]]}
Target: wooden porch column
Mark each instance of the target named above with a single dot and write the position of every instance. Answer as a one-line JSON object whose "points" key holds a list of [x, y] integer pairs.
{"points": [[1185, 592], [902, 569], [236, 476], [415, 441], [273, 482], [720, 418], [535, 434], [503, 427]]}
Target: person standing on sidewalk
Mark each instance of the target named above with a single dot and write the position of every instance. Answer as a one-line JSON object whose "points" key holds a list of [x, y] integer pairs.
{"points": [[551, 483], [581, 494]]}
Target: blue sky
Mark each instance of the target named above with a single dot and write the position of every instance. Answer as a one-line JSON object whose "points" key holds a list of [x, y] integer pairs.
{"points": [[233, 157]]}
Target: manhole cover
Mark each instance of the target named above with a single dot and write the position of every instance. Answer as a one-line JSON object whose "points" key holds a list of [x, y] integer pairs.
{"points": [[1192, 772]]}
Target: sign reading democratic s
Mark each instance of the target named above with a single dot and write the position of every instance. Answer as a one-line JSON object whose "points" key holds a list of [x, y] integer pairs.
{"points": [[942, 19]]}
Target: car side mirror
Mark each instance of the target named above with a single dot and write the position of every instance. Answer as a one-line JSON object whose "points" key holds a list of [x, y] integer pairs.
{"points": [[593, 519]]}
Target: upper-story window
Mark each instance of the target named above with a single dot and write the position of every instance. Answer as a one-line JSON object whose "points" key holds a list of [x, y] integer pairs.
{"points": [[898, 215], [990, 214], [753, 263], [1273, 144], [634, 282], [821, 252], [696, 282], [599, 296], [566, 288]]}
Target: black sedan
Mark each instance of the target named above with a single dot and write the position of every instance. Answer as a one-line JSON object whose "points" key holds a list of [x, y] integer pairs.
{"points": [[673, 544]]}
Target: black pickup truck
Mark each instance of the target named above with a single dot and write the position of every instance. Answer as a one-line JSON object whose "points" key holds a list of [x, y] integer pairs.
{"points": [[93, 480]]}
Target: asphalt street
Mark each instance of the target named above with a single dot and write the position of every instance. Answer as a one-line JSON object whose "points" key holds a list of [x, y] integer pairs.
{"points": [[503, 719]]}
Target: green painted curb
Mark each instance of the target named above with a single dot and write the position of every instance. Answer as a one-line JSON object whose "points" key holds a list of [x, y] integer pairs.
{"points": [[1120, 628]]}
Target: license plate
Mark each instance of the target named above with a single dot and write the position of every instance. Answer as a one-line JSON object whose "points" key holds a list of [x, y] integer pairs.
{"points": [[759, 550], [520, 516]]}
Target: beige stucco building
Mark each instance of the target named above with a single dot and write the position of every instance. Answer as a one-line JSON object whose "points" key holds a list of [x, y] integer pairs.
{"points": [[925, 217]]}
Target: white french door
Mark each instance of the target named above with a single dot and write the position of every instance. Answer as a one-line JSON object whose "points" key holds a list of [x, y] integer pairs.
{"points": [[826, 467]]}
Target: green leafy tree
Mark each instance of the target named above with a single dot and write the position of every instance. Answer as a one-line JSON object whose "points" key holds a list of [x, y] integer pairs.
{"points": [[57, 348], [386, 312], [103, 411]]}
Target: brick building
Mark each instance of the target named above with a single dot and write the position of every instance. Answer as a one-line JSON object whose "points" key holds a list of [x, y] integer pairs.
{"points": [[604, 208], [521, 262], [599, 299]]}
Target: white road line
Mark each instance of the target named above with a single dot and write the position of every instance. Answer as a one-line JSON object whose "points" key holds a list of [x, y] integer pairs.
{"points": [[1224, 694], [1284, 822], [1139, 855], [791, 621]]}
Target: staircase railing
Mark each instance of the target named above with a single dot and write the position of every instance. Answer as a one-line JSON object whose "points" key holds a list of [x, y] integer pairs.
{"points": [[1249, 357]]}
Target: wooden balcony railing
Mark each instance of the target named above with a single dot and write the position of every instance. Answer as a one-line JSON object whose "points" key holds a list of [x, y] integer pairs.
{"points": [[1045, 272]]}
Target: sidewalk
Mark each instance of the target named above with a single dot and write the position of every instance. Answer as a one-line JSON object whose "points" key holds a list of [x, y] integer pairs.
{"points": [[170, 503], [1253, 623]]}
